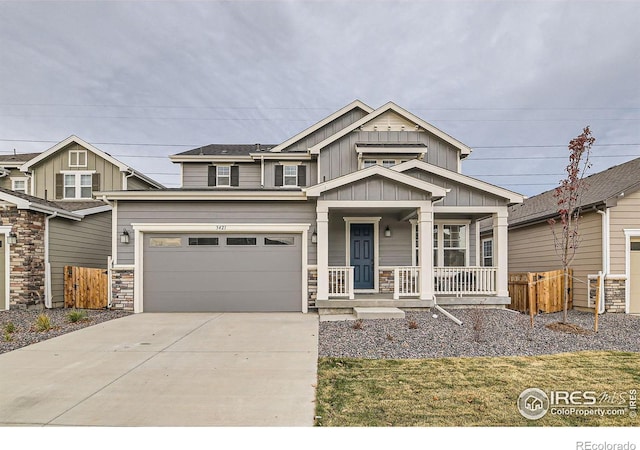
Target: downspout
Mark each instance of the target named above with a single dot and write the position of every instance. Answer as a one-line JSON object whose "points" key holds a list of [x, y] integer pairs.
{"points": [[48, 301], [126, 177], [114, 249], [261, 170], [606, 261]]}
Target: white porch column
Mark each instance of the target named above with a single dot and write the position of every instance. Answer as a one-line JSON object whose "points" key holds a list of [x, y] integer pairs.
{"points": [[322, 220], [501, 252], [425, 231]]}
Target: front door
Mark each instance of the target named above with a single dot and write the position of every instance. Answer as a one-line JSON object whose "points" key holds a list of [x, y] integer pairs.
{"points": [[361, 244]]}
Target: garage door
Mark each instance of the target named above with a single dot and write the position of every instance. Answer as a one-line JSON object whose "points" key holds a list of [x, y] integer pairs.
{"points": [[219, 272]]}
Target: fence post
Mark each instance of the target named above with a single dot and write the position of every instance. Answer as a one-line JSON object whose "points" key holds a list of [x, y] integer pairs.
{"points": [[531, 295], [396, 284], [595, 322]]}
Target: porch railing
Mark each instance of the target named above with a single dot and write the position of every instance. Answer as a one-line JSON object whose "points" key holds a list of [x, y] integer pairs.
{"points": [[406, 282], [341, 282], [465, 280]]}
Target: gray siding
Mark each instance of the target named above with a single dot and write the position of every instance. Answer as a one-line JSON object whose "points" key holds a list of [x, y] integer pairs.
{"points": [[340, 158], [328, 130], [194, 175], [136, 184], [212, 212], [86, 244], [626, 215], [459, 195], [374, 189]]}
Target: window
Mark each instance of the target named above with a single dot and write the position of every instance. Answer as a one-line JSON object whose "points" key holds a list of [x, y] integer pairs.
{"points": [[19, 185], [450, 245], [388, 163], [290, 175], [415, 242], [487, 252], [165, 242], [279, 240], [223, 176], [242, 241], [78, 185], [203, 241], [368, 163], [381, 162], [77, 158]]}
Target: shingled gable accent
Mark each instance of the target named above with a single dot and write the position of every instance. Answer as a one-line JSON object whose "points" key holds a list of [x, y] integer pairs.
{"points": [[351, 106], [436, 191], [390, 106], [456, 177]]}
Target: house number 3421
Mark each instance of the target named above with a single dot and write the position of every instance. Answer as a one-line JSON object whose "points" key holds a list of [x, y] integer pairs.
{"points": [[221, 227]]}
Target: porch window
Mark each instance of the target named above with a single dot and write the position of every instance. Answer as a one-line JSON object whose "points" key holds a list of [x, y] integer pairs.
{"points": [[487, 252], [450, 245]]}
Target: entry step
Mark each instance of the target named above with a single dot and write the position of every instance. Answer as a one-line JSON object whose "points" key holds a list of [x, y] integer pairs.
{"points": [[378, 313]]}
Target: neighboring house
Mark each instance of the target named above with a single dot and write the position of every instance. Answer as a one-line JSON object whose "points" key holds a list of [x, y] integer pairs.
{"points": [[366, 207], [609, 238], [50, 218]]}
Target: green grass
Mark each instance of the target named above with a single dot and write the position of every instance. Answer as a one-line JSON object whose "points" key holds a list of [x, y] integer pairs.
{"points": [[77, 315], [466, 391]]}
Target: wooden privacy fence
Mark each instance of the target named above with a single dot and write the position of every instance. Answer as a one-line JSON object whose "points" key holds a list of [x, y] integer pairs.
{"points": [[85, 288], [545, 288]]}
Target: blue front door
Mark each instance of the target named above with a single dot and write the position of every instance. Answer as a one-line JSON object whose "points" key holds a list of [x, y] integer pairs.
{"points": [[362, 255]]}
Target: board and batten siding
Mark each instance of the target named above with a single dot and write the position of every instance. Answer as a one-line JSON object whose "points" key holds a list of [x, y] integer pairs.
{"points": [[340, 157], [374, 189], [210, 212], [532, 249], [626, 215], [328, 130], [85, 244], [44, 173], [459, 195]]}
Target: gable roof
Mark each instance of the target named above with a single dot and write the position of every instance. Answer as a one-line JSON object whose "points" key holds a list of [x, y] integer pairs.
{"points": [[315, 191], [24, 201], [224, 150], [17, 159], [512, 197], [60, 145], [339, 113], [390, 106], [601, 187]]}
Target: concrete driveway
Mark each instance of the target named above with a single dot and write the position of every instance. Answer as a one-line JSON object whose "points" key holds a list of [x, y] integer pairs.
{"points": [[152, 369]]}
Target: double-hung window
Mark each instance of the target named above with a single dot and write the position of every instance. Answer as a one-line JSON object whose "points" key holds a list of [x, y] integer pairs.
{"points": [[290, 175], [223, 176], [77, 185], [487, 252], [450, 245], [19, 185]]}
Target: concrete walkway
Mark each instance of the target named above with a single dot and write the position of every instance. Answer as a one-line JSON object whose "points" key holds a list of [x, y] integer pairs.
{"points": [[152, 369]]}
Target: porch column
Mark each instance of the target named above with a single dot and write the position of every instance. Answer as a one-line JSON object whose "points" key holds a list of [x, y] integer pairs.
{"points": [[322, 220], [501, 252], [425, 231]]}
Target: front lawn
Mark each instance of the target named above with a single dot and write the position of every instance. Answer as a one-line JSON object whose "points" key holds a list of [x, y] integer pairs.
{"points": [[469, 391]]}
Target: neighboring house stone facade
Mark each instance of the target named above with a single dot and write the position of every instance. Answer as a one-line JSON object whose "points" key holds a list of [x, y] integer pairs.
{"points": [[50, 218]]}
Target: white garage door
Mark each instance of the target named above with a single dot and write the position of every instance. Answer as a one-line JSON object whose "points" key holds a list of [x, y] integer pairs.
{"points": [[222, 272]]}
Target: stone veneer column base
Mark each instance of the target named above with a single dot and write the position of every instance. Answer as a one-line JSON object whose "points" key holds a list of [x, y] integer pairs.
{"points": [[614, 293], [122, 289], [312, 288]]}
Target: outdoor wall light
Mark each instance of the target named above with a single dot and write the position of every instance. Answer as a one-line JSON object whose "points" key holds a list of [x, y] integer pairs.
{"points": [[124, 237], [314, 237], [12, 239], [387, 232]]}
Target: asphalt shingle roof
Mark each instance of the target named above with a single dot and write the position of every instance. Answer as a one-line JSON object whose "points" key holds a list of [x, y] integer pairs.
{"points": [[17, 158], [227, 149], [599, 187], [70, 205]]}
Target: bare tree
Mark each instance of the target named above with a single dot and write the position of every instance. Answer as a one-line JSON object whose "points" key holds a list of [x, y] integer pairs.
{"points": [[568, 199]]}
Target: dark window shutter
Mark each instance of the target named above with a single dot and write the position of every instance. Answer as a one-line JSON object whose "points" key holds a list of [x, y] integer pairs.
{"points": [[59, 186], [235, 176], [279, 176], [211, 176], [95, 182], [302, 175]]}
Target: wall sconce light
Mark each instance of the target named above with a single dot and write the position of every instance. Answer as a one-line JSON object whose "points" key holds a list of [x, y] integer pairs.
{"points": [[124, 237], [314, 237], [12, 239], [387, 232]]}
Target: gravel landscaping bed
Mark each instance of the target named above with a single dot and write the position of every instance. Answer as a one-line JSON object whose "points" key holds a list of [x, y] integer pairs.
{"points": [[24, 324], [484, 332]]}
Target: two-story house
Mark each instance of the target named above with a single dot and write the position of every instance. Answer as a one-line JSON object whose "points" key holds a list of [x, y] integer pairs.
{"points": [[366, 207], [50, 218]]}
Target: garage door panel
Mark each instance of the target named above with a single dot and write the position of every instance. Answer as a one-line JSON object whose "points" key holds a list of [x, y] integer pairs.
{"points": [[182, 277]]}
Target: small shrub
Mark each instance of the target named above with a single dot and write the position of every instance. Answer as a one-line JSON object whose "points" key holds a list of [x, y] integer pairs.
{"points": [[358, 324], [9, 327], [389, 337], [43, 322], [413, 325], [7, 336], [76, 316]]}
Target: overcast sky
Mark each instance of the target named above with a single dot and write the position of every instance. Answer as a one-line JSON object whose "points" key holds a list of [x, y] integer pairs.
{"points": [[143, 80]]}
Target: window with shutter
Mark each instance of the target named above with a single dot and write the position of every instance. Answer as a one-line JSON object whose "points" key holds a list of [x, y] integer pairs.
{"points": [[211, 178], [279, 175]]}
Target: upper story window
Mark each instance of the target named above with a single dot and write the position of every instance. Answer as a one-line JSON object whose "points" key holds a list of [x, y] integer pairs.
{"points": [[381, 162], [72, 185], [290, 175], [223, 176], [19, 185], [77, 158]]}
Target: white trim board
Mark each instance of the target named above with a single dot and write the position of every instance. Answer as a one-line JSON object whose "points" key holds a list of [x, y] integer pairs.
{"points": [[7, 267], [628, 234]]}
